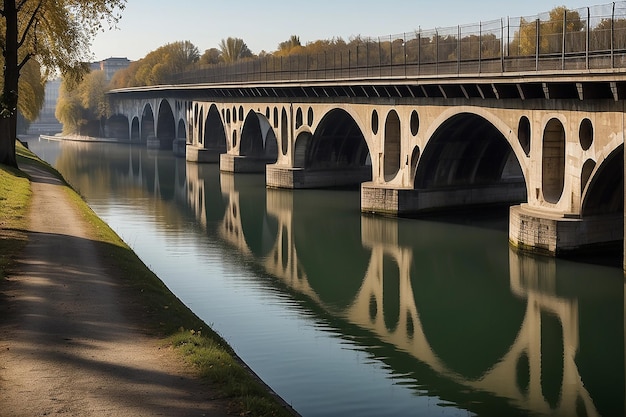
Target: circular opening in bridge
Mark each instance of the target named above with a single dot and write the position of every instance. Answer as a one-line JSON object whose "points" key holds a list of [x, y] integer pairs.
{"points": [[553, 161], [523, 134], [309, 117], [228, 116], [275, 118], [267, 113], [415, 123], [240, 112], [234, 139], [585, 134], [375, 122], [298, 118], [195, 115], [234, 114]]}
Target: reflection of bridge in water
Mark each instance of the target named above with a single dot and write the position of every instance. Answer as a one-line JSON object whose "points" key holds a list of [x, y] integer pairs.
{"points": [[395, 316], [518, 376]]}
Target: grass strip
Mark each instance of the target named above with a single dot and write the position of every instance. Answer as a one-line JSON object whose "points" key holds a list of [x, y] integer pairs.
{"points": [[15, 195]]}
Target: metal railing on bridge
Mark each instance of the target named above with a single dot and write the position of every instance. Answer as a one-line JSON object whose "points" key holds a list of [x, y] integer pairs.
{"points": [[590, 38]]}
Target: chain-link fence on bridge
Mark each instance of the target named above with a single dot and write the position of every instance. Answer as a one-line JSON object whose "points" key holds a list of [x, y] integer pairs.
{"points": [[588, 38]]}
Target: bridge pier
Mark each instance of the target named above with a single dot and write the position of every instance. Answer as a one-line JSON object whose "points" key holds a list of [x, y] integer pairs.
{"points": [[294, 178], [391, 200], [556, 234], [202, 155], [242, 164]]}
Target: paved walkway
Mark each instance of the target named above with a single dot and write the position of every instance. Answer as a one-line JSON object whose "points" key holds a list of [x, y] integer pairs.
{"points": [[67, 347]]}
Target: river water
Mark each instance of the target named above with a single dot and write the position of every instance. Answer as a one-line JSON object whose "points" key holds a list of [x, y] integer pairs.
{"points": [[346, 314]]}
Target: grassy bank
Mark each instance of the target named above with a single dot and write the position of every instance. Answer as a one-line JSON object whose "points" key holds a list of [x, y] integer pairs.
{"points": [[14, 197], [155, 307]]}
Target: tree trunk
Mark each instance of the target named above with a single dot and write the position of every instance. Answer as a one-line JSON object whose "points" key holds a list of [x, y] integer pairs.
{"points": [[8, 100]]}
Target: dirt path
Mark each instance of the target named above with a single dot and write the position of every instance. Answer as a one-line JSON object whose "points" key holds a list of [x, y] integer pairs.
{"points": [[66, 346]]}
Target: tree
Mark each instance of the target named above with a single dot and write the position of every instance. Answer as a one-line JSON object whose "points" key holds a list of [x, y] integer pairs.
{"points": [[82, 108], [69, 110], [158, 66], [31, 90], [550, 36], [56, 33], [290, 46], [234, 49], [210, 57]]}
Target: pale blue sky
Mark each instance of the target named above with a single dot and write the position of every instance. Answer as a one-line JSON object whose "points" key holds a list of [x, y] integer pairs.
{"points": [[263, 24]]}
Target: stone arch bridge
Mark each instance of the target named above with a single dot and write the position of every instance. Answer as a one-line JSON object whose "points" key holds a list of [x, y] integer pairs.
{"points": [[550, 145]]}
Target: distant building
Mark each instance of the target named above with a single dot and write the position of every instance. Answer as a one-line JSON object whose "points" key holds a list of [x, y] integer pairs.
{"points": [[110, 66], [47, 123]]}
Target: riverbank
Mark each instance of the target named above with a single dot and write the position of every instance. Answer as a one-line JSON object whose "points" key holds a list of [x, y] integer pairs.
{"points": [[81, 138], [87, 329]]}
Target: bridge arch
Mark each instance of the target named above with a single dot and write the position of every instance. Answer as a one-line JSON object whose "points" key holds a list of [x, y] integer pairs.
{"points": [[604, 194], [337, 142], [166, 125], [469, 149], [182, 129], [147, 122], [134, 130], [214, 134], [258, 138]]}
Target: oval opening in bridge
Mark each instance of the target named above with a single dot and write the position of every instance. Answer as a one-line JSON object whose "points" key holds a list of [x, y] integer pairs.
{"points": [[553, 161], [284, 133], [392, 145], [585, 134], [523, 134], [415, 123], [375, 122]]}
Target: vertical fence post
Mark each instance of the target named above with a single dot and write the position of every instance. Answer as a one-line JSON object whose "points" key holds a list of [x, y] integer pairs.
{"points": [[613, 36], [380, 60], [436, 52], [502, 45], [480, 47], [537, 43], [390, 56], [563, 39], [458, 49], [419, 51], [404, 51], [367, 57], [587, 41]]}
